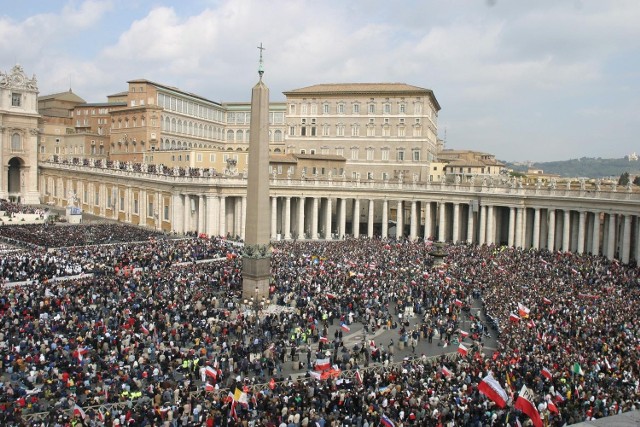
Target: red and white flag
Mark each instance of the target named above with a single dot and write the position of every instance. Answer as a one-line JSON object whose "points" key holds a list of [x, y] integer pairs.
{"points": [[345, 327], [463, 350], [458, 302], [446, 372], [574, 271], [324, 340], [493, 390], [464, 334], [546, 300], [323, 364], [209, 387], [358, 377], [525, 402], [523, 310], [79, 353], [514, 318], [316, 375], [144, 330], [210, 372], [552, 407], [330, 295], [559, 397], [531, 324], [79, 412], [547, 374]]}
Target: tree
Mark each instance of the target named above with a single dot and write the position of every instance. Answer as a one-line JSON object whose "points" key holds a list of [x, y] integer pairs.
{"points": [[636, 180], [624, 179]]}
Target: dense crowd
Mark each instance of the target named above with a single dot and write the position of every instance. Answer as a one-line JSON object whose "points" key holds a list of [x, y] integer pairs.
{"points": [[173, 339], [11, 208]]}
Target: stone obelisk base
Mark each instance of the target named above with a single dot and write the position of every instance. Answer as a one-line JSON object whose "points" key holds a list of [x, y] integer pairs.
{"points": [[256, 274]]}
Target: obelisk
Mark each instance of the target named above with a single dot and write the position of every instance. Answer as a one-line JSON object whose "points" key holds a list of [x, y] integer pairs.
{"points": [[256, 261]]}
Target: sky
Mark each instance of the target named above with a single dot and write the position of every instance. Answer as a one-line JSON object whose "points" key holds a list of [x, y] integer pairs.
{"points": [[525, 80]]}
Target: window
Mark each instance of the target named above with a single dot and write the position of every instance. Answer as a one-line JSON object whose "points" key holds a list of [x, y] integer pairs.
{"points": [[403, 108], [372, 108], [16, 142], [292, 130], [199, 157], [16, 99], [387, 108], [369, 175], [401, 131], [371, 130], [356, 108], [385, 154], [340, 152], [292, 109], [354, 175], [121, 203], [277, 136], [325, 108], [354, 153], [386, 131], [150, 210], [166, 213], [340, 130], [314, 109], [370, 152], [303, 109], [325, 130], [400, 155], [417, 108], [96, 198], [340, 108], [416, 155], [355, 130], [385, 176]]}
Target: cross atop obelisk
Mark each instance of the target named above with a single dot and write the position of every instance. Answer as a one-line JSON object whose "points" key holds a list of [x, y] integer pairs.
{"points": [[261, 64], [256, 259]]}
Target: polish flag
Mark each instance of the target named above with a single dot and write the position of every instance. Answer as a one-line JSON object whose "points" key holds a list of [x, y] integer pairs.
{"points": [[358, 377], [372, 266], [574, 271], [523, 310], [559, 397], [552, 407], [493, 390], [144, 330], [323, 364], [209, 387], [79, 352], [531, 324], [316, 375], [525, 402], [324, 340], [210, 372], [345, 327], [458, 302], [463, 350], [446, 372], [330, 295], [546, 300], [547, 374], [543, 262], [79, 412], [514, 318], [386, 422], [464, 334]]}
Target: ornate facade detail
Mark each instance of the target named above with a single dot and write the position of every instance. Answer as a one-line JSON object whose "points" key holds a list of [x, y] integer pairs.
{"points": [[17, 79], [257, 251]]}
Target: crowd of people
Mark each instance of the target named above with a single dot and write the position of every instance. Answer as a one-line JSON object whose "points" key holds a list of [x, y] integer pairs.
{"points": [[174, 339], [10, 208]]}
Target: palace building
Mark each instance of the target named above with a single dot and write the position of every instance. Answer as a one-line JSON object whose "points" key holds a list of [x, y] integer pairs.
{"points": [[345, 160]]}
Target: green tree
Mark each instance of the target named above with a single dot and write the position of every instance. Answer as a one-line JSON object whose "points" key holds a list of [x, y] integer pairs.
{"points": [[636, 180], [624, 179]]}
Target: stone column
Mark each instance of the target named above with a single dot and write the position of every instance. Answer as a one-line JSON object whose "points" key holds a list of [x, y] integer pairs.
{"points": [[187, 213], [243, 219], [399, 219], [637, 246], [566, 230], [519, 217], [342, 228], [581, 232], [327, 219], [442, 222], [115, 191], [551, 230], [142, 208], [428, 221], [355, 221], [611, 237], [491, 229], [237, 216], [287, 218], [208, 215], [413, 229], [201, 226], [512, 227], [483, 225], [223, 216], [626, 239], [456, 222], [160, 205], [385, 218], [177, 223], [595, 239], [314, 219], [470, 224], [536, 228], [274, 218], [301, 218], [370, 218]]}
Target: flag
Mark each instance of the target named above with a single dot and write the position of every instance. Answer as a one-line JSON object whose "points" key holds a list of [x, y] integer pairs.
{"points": [[358, 377], [463, 350], [209, 387], [523, 310], [315, 375], [547, 374], [240, 396], [577, 369], [144, 330], [79, 412], [458, 302], [79, 352], [345, 327], [552, 407], [524, 402], [546, 300], [386, 422], [330, 295], [531, 324], [493, 390], [574, 271], [559, 397], [446, 372], [322, 364], [514, 318], [324, 340], [210, 372], [464, 334]]}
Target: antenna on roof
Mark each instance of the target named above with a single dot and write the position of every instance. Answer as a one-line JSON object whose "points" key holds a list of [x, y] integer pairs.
{"points": [[70, 83]]}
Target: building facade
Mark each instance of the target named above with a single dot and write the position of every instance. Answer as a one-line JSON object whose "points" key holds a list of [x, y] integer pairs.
{"points": [[19, 136]]}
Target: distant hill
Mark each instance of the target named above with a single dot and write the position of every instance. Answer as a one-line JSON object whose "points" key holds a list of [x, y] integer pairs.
{"points": [[583, 167]]}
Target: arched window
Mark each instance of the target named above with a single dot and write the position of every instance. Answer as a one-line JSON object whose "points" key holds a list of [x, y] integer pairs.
{"points": [[16, 142], [173, 125], [277, 136], [167, 124], [230, 136]]}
